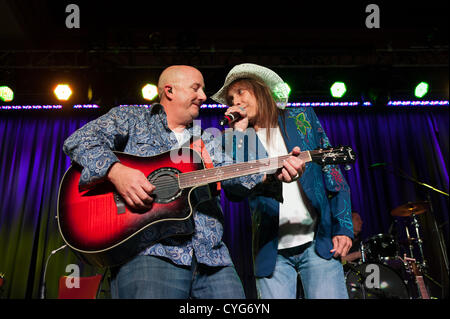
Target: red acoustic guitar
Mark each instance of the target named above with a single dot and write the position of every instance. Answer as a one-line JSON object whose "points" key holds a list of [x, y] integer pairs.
{"points": [[104, 231]]}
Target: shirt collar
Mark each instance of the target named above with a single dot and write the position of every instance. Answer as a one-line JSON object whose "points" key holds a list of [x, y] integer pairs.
{"points": [[158, 109]]}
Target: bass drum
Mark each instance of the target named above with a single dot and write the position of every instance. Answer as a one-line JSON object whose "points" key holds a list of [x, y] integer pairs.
{"points": [[374, 281]]}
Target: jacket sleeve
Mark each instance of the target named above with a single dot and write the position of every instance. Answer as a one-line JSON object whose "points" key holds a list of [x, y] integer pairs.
{"points": [[236, 147], [337, 188], [92, 145]]}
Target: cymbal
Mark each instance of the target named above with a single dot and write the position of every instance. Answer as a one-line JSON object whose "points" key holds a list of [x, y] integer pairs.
{"points": [[409, 209]]}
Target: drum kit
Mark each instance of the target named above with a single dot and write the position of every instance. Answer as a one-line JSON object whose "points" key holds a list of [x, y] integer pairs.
{"points": [[391, 268]]}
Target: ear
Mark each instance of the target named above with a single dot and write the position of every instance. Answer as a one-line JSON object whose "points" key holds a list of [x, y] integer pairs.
{"points": [[168, 91]]}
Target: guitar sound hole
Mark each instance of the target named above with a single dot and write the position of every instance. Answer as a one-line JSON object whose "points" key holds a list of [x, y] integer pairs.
{"points": [[166, 184]]}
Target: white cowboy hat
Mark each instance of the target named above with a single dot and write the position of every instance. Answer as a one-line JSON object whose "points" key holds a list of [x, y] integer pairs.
{"points": [[280, 89]]}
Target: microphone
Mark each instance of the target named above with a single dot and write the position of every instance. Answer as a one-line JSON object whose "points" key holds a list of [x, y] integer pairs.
{"points": [[230, 118], [377, 165]]}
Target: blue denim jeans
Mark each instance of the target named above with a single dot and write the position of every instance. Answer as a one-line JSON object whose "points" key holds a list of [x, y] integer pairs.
{"points": [[150, 277], [320, 278]]}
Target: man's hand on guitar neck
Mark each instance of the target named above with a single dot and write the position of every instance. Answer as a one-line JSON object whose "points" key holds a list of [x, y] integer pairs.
{"points": [[132, 185]]}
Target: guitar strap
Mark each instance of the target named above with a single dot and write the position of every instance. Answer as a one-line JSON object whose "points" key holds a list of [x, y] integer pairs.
{"points": [[199, 146]]}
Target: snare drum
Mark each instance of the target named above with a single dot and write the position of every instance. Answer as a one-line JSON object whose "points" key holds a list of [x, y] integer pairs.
{"points": [[381, 248]]}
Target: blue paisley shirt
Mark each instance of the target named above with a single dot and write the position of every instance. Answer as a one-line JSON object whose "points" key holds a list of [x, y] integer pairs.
{"points": [[144, 132]]}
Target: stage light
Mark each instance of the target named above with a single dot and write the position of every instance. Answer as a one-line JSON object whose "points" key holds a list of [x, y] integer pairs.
{"points": [[149, 92], [62, 92], [338, 89], [282, 91], [90, 93], [6, 94], [421, 89]]}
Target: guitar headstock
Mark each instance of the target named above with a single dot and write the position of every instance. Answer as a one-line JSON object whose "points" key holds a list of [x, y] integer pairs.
{"points": [[333, 155], [412, 266]]}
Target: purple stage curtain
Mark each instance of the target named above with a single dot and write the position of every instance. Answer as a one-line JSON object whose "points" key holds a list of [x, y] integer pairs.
{"points": [[413, 143], [31, 166]]}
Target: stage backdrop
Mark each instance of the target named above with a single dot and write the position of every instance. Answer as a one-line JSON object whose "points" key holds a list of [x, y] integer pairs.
{"points": [[412, 143]]}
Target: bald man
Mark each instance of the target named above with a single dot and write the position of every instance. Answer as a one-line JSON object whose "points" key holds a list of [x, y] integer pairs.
{"points": [[181, 93], [197, 265]]}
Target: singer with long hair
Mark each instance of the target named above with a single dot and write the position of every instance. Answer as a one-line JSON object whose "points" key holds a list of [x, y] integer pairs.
{"points": [[301, 213]]}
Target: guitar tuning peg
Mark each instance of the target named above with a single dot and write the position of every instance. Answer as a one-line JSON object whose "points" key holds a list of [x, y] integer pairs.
{"points": [[347, 167]]}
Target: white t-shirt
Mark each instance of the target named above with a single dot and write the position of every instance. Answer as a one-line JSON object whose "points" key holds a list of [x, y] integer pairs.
{"points": [[296, 226], [182, 137]]}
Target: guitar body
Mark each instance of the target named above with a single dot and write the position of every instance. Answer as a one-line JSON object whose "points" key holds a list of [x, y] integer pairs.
{"points": [[103, 231]]}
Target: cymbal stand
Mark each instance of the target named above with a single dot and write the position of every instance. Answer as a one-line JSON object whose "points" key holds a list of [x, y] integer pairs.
{"points": [[410, 240], [363, 252], [419, 242]]}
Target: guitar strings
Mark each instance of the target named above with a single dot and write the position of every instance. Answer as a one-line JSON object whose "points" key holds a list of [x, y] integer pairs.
{"points": [[230, 169], [201, 174], [262, 163]]}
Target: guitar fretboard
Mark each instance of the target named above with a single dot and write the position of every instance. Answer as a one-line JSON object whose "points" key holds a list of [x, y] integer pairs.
{"points": [[422, 288], [211, 175]]}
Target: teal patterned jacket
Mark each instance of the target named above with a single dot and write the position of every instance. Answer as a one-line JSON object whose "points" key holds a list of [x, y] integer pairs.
{"points": [[144, 132], [328, 192]]}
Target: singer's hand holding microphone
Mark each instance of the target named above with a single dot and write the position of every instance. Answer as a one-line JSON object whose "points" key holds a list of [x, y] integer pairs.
{"points": [[236, 118]]}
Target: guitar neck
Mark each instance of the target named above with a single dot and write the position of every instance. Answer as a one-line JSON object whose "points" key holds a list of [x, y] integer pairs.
{"points": [[419, 278], [216, 174], [422, 288]]}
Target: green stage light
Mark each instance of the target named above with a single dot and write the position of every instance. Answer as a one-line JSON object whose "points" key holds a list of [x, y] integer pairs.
{"points": [[149, 92], [421, 89], [338, 89], [6, 94]]}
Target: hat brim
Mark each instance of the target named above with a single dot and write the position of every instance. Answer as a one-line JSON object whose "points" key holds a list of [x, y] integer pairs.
{"points": [[253, 71]]}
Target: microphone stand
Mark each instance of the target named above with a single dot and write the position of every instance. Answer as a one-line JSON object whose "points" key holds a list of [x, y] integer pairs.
{"points": [[442, 246], [43, 287]]}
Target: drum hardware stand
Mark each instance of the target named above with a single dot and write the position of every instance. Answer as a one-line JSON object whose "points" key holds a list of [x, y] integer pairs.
{"points": [[410, 240], [442, 246], [363, 252], [419, 242]]}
